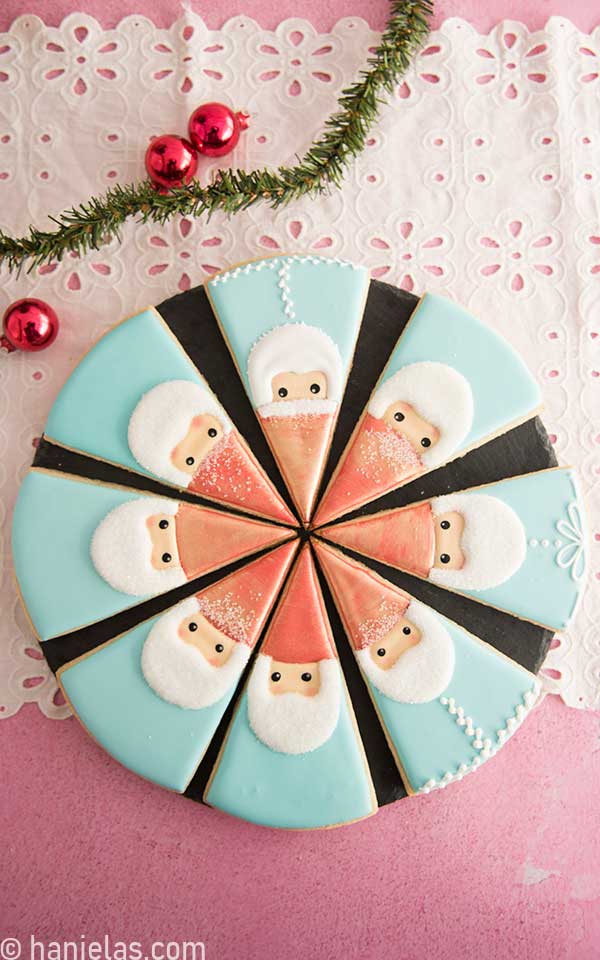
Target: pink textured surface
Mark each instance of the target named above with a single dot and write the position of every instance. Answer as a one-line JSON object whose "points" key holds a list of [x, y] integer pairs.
{"points": [[323, 13], [502, 865], [494, 867]]}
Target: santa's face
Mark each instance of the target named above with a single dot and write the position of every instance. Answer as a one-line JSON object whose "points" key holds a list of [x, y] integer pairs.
{"points": [[448, 531], [302, 678], [203, 434], [417, 666], [299, 386], [385, 653], [214, 645], [404, 420], [183, 664], [301, 717], [163, 541]]}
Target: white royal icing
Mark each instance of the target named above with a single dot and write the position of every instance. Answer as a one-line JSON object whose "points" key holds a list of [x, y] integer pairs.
{"points": [[294, 348], [274, 264], [571, 555], [486, 746]]}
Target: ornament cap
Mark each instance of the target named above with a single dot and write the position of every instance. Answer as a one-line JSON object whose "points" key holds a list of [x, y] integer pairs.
{"points": [[6, 345]]}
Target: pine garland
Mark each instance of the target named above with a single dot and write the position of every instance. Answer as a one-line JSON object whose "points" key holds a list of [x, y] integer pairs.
{"points": [[92, 224]]}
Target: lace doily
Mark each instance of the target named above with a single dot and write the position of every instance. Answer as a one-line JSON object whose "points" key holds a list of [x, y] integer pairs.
{"points": [[480, 182]]}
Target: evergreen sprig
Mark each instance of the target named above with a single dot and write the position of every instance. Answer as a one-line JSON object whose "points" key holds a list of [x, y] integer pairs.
{"points": [[98, 221]]}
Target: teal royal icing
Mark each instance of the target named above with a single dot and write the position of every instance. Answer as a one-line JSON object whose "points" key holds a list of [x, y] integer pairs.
{"points": [[155, 739], [325, 294], [503, 389], [92, 411], [327, 786], [541, 589], [427, 739], [53, 524]]}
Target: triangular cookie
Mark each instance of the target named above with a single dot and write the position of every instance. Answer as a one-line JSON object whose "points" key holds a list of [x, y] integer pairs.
{"points": [[451, 383], [136, 400], [154, 696], [84, 551], [291, 324], [293, 756]]}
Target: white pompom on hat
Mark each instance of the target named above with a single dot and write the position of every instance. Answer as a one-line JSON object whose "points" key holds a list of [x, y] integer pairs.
{"points": [[161, 420], [121, 549], [178, 672], [493, 541], [294, 348], [439, 394], [422, 672]]}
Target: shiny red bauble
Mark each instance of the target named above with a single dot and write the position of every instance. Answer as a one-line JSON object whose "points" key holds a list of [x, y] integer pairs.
{"points": [[171, 161], [214, 128], [29, 325]]}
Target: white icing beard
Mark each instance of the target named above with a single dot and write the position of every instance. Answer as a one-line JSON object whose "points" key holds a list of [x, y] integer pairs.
{"points": [[121, 549], [493, 542], [178, 672], [422, 672], [297, 408], [161, 420], [290, 722], [439, 394], [293, 348]]}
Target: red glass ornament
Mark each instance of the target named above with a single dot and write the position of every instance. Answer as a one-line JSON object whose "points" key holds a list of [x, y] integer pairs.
{"points": [[214, 128], [171, 161], [29, 325]]}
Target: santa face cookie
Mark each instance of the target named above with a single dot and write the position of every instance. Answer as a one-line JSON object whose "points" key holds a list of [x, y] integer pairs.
{"points": [[153, 413], [517, 544], [292, 756], [154, 696], [446, 700], [291, 324], [450, 384], [84, 551]]}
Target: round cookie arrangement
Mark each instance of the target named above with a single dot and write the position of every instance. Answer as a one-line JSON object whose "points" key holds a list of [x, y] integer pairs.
{"points": [[295, 542]]}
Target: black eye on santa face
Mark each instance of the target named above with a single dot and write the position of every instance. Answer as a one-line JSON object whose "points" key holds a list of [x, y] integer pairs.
{"points": [[212, 432], [192, 627], [445, 558], [166, 558], [425, 442], [307, 677], [406, 630], [189, 461], [381, 652], [163, 524], [445, 524], [275, 677], [219, 647], [282, 392], [315, 388], [399, 416]]}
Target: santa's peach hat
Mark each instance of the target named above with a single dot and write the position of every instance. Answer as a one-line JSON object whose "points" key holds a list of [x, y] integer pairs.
{"points": [[300, 631], [239, 604], [369, 607]]}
